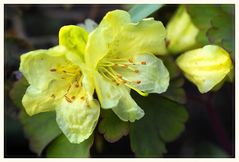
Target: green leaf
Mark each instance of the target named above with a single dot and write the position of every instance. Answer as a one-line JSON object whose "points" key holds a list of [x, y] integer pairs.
{"points": [[140, 11], [41, 129], [202, 19], [163, 122], [175, 91], [222, 32], [17, 92], [62, 148], [112, 127], [216, 24]]}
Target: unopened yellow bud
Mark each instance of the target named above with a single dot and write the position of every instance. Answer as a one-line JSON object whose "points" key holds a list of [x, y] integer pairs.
{"points": [[181, 32], [205, 67]]}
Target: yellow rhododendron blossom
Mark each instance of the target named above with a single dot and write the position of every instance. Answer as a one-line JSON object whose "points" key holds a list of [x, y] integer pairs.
{"points": [[115, 57], [120, 54], [181, 32], [58, 81], [205, 67]]}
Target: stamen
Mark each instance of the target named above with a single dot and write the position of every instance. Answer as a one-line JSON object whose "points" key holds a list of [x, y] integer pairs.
{"points": [[137, 90], [131, 60], [124, 65], [77, 85], [120, 76], [143, 62], [138, 82], [137, 71], [68, 99], [52, 70]]}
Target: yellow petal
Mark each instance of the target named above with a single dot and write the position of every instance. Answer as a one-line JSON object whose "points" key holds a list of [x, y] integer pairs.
{"points": [[107, 92], [206, 66], [99, 39], [127, 109], [77, 119], [74, 38], [181, 32]]}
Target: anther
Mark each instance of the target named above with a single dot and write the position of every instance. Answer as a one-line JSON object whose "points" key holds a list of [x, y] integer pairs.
{"points": [[82, 98], [68, 99], [137, 71], [131, 60], [143, 62], [53, 96], [138, 82], [124, 81], [52, 70], [73, 97], [115, 64], [64, 71], [120, 76], [124, 65], [77, 85]]}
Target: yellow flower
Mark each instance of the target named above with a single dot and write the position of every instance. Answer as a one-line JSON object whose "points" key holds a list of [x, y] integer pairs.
{"points": [[116, 56], [58, 81], [205, 67], [120, 54]]}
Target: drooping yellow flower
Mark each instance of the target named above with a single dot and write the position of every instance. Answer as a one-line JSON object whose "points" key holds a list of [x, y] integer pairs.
{"points": [[58, 82], [205, 67], [120, 54], [181, 32]]}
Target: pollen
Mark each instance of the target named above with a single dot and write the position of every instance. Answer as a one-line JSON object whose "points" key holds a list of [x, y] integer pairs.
{"points": [[143, 62], [52, 70], [138, 82]]}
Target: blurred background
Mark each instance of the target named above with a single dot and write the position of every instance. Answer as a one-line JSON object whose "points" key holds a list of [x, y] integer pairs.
{"points": [[210, 130]]}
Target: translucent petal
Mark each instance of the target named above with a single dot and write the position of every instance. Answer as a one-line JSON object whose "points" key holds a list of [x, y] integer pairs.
{"points": [[148, 74], [127, 109], [146, 36], [74, 38], [36, 101], [206, 66], [98, 41], [108, 92], [36, 66], [77, 119]]}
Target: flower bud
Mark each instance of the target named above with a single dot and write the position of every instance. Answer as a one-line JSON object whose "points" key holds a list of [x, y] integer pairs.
{"points": [[205, 67], [181, 32]]}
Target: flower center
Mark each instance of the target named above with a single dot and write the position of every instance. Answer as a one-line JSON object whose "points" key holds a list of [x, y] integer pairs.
{"points": [[73, 77], [113, 69]]}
